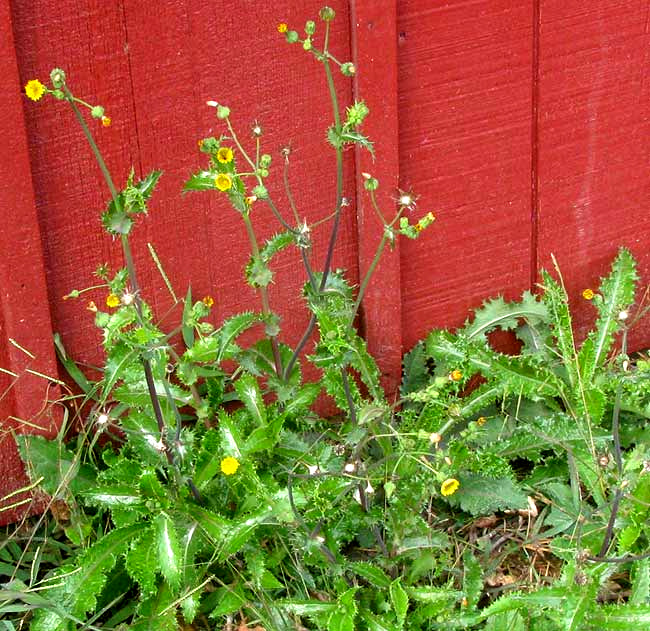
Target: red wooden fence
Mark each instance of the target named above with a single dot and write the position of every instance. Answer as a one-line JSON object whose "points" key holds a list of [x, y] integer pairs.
{"points": [[522, 125]]}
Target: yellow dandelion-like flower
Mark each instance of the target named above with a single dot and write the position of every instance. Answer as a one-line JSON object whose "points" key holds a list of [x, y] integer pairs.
{"points": [[224, 155], [449, 486], [588, 294], [106, 121], [229, 465], [456, 375], [208, 301], [112, 301], [223, 181], [282, 27], [480, 421], [35, 89]]}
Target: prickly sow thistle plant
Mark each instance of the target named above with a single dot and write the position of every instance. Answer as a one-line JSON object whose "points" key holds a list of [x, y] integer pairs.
{"points": [[219, 492]]}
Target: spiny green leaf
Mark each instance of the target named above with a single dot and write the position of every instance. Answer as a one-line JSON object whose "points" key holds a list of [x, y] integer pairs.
{"points": [[115, 495], [373, 574], [616, 294], [187, 329], [201, 181], [505, 315], [472, 579], [479, 495], [415, 373], [82, 588], [640, 583], [556, 300], [250, 395], [207, 460], [168, 549], [375, 623], [141, 562], [275, 244], [620, 618], [400, 601]]}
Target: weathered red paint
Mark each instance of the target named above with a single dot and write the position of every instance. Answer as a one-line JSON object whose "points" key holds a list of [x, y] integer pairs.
{"points": [[375, 53], [594, 143], [522, 125], [25, 327], [465, 147]]}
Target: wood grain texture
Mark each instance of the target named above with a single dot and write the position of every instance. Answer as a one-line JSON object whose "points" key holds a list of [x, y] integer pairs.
{"points": [[24, 316], [374, 40], [465, 92], [594, 139]]}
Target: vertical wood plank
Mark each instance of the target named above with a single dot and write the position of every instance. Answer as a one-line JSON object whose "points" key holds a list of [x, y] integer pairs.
{"points": [[465, 86], [594, 142], [374, 40], [24, 314]]}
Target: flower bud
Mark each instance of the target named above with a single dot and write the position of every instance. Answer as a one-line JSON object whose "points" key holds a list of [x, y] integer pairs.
{"points": [[348, 69], [265, 160], [310, 27], [97, 111], [327, 14], [57, 76], [292, 37], [263, 172], [260, 192], [223, 111], [370, 183], [307, 44]]}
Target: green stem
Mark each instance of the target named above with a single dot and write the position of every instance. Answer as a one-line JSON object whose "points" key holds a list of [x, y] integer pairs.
{"points": [[128, 258], [337, 213], [375, 260], [264, 294]]}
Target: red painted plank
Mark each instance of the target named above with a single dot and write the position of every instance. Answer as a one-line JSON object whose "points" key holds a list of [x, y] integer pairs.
{"points": [[374, 36], [465, 85], [594, 141], [24, 316]]}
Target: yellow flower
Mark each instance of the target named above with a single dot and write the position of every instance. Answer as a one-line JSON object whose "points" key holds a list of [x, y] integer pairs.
{"points": [[106, 121], [480, 421], [224, 155], [282, 27], [449, 486], [208, 301], [35, 89], [229, 465], [588, 294], [456, 375], [223, 181], [112, 300]]}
